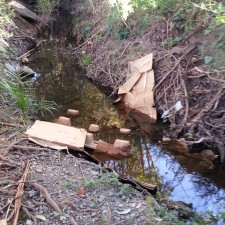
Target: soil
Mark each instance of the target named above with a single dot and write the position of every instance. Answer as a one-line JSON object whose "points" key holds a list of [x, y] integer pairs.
{"points": [[63, 189]]}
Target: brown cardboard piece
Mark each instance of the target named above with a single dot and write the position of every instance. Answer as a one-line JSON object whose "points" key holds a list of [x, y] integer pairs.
{"points": [[63, 135], [137, 91]]}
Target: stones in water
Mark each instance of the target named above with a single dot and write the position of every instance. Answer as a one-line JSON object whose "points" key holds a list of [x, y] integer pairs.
{"points": [[72, 112], [125, 131], [63, 120], [94, 128]]}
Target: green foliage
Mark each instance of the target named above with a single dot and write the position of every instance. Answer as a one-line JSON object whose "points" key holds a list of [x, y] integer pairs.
{"points": [[108, 180], [86, 59], [169, 42], [20, 94], [161, 215], [5, 25], [46, 6]]}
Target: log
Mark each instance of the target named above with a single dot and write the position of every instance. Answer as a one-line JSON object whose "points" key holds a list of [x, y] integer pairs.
{"points": [[23, 11]]}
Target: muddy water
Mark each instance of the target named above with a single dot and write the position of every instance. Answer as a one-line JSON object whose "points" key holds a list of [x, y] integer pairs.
{"points": [[183, 178]]}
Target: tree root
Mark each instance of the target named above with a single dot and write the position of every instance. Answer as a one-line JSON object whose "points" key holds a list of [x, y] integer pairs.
{"points": [[51, 202]]}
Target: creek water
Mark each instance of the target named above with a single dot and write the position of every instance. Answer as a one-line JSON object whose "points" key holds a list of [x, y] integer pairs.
{"points": [[182, 178]]}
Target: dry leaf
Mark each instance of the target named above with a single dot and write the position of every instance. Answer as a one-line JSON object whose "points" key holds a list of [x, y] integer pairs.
{"points": [[81, 192]]}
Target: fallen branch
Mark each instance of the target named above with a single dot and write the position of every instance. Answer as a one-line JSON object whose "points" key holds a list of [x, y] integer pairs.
{"points": [[51, 202], [207, 107], [174, 67], [19, 194]]}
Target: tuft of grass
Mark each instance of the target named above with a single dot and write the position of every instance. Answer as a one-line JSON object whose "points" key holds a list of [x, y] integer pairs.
{"points": [[86, 59], [109, 180], [20, 94]]}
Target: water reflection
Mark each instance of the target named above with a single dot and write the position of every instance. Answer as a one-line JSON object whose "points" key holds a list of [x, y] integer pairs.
{"points": [[153, 164], [63, 82]]}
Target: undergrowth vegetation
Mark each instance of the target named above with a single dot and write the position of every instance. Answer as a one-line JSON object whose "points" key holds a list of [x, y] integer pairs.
{"points": [[5, 26], [18, 92], [178, 21]]}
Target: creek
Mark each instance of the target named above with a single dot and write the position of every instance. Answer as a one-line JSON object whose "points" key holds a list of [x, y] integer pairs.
{"points": [[180, 177]]}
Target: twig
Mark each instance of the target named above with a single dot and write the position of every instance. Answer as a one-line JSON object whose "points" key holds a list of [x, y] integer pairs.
{"points": [[174, 67], [182, 125], [26, 53], [19, 194], [27, 148], [207, 107], [51, 202], [109, 216], [6, 151], [30, 215], [11, 125], [198, 141], [89, 39]]}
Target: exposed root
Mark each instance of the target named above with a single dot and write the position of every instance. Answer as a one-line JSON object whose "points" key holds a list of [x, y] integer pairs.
{"points": [[50, 201]]}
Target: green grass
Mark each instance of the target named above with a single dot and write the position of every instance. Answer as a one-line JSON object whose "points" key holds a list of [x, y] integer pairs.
{"points": [[20, 94]]}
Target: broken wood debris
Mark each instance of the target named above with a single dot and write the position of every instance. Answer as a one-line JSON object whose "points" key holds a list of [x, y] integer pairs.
{"points": [[18, 198]]}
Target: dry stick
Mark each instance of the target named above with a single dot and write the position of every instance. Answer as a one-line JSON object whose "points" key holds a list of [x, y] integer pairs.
{"points": [[51, 202], [4, 159], [176, 64], [6, 151], [109, 216], [207, 107], [10, 125], [89, 39], [30, 215], [186, 102], [19, 194], [27, 148], [26, 53]]}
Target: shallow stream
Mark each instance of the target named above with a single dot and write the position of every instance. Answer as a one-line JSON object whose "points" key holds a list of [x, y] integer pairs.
{"points": [[180, 177]]}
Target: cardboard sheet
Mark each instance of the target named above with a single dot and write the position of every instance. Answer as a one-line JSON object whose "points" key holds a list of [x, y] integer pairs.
{"points": [[137, 92], [59, 134]]}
